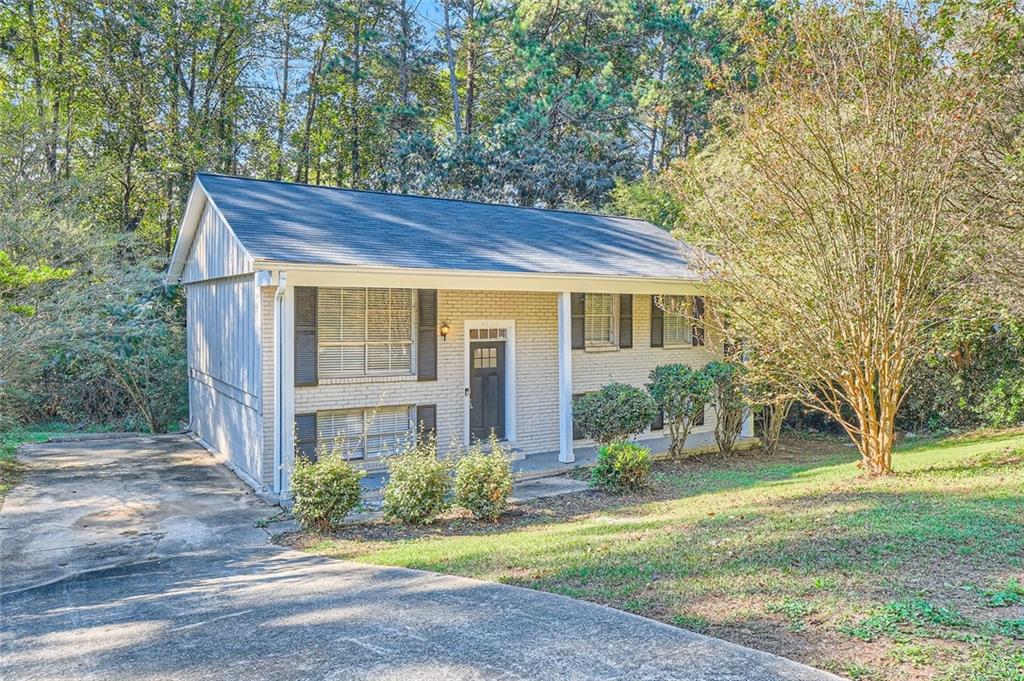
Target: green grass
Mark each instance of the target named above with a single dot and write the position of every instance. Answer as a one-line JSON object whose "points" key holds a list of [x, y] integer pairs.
{"points": [[801, 555], [10, 469]]}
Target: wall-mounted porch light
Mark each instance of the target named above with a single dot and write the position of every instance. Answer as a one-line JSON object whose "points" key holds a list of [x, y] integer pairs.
{"points": [[445, 330]]}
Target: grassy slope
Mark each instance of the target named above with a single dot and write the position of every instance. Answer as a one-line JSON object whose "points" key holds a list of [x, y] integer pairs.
{"points": [[799, 555]]}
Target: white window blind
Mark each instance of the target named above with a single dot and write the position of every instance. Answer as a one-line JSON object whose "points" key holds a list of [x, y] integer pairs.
{"points": [[678, 328], [599, 319], [364, 331], [365, 433]]}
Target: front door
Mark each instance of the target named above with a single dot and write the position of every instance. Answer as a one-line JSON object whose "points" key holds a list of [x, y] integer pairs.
{"points": [[486, 390]]}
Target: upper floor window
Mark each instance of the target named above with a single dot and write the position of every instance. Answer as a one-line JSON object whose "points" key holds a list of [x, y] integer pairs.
{"points": [[364, 331], [678, 320], [600, 319]]}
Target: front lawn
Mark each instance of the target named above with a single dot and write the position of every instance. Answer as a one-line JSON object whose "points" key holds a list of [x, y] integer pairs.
{"points": [[915, 576]]}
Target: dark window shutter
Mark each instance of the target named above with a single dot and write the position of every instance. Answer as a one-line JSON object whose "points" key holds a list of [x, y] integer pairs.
{"points": [[426, 422], [698, 321], [576, 433], [305, 335], [699, 420], [657, 324], [426, 335], [305, 435], [626, 320], [578, 305], [659, 421]]}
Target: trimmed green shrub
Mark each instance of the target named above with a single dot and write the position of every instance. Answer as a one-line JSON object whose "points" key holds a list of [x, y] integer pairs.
{"points": [[621, 466], [418, 485], [615, 412], [325, 490], [483, 481], [681, 392]]}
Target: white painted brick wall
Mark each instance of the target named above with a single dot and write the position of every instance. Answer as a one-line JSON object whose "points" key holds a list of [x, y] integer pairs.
{"points": [[536, 377], [591, 370]]}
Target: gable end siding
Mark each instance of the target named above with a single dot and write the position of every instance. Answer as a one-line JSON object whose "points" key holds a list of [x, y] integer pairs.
{"points": [[224, 370], [216, 252]]}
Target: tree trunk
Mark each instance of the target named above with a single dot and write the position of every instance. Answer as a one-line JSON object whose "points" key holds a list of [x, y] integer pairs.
{"points": [[282, 107], [471, 63], [302, 170], [453, 81], [357, 32]]}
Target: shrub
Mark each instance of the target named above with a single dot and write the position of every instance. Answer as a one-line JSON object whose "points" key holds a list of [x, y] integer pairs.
{"points": [[681, 392], [728, 403], [325, 490], [483, 481], [621, 466], [614, 412], [418, 484]]}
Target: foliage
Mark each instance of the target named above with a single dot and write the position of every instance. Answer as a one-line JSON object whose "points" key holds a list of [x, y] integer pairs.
{"points": [[105, 343], [681, 392], [326, 489], [809, 252], [14, 277], [615, 412], [970, 376], [483, 481], [728, 402], [951, 521], [621, 467], [418, 484]]}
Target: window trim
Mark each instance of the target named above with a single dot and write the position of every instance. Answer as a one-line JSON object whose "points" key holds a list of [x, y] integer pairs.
{"points": [[613, 341], [686, 321], [368, 414], [366, 344]]}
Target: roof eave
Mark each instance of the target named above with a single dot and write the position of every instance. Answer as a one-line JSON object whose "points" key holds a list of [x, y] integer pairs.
{"points": [[197, 199], [301, 273]]}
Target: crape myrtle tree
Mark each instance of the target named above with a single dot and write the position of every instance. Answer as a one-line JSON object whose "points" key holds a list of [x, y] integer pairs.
{"points": [[833, 200]]}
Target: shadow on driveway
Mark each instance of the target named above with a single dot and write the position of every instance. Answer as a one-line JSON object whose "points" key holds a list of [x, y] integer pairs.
{"points": [[242, 608]]}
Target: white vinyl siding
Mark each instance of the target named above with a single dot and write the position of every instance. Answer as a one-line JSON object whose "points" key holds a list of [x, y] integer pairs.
{"points": [[366, 433], [364, 331], [600, 317], [678, 328]]}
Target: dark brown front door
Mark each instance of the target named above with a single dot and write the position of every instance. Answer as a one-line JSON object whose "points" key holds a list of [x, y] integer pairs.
{"points": [[486, 390]]}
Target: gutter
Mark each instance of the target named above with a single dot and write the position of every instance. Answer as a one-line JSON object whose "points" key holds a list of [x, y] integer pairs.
{"points": [[279, 439]]}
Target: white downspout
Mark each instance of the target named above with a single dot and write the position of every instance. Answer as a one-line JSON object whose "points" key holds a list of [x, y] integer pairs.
{"points": [[279, 439]]}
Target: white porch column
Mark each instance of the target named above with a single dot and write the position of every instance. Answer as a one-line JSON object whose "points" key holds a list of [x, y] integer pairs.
{"points": [[565, 453]]}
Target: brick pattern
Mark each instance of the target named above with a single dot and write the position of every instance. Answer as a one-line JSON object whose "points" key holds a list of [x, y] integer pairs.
{"points": [[267, 381], [535, 315], [593, 369], [536, 370]]}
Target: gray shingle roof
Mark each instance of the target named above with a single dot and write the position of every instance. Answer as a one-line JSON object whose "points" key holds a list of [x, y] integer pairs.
{"points": [[299, 223]]}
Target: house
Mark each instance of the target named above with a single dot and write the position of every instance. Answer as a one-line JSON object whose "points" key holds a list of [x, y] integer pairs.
{"points": [[316, 313]]}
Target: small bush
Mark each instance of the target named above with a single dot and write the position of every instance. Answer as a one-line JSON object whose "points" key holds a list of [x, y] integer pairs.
{"points": [[681, 392], [325, 490], [418, 485], [615, 412], [729, 403], [483, 481], [621, 466]]}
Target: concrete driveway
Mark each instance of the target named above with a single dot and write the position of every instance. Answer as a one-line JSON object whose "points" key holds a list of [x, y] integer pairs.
{"points": [[139, 558]]}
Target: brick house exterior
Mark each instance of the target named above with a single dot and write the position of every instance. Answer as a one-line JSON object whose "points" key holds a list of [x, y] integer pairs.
{"points": [[366, 352]]}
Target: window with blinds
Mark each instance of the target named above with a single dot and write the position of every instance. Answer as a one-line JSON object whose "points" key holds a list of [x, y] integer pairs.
{"points": [[678, 328], [599, 319], [366, 433], [364, 331]]}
